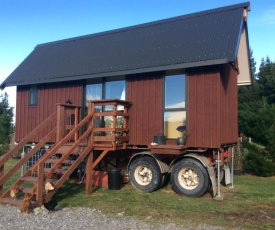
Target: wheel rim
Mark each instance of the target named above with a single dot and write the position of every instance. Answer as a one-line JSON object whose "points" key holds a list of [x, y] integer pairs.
{"points": [[143, 175], [188, 178]]}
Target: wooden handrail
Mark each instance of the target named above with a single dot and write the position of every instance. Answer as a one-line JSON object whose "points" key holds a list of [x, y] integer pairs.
{"points": [[118, 135], [25, 140], [65, 156], [57, 146], [20, 145], [27, 156]]}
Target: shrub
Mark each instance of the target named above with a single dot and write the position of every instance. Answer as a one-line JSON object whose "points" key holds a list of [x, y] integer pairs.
{"points": [[257, 161]]}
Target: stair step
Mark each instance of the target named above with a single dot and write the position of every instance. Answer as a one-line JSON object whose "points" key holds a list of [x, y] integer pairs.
{"points": [[69, 144], [68, 162], [25, 189], [52, 181], [15, 202], [29, 179], [65, 148], [57, 171]]}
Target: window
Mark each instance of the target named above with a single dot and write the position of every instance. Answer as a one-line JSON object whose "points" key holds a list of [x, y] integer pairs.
{"points": [[174, 105], [115, 89], [94, 92], [33, 95], [106, 90]]}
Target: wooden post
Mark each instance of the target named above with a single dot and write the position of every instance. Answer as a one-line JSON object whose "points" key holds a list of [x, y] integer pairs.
{"points": [[89, 173], [125, 122], [91, 109], [60, 123], [40, 185], [1, 174], [114, 126], [76, 121]]}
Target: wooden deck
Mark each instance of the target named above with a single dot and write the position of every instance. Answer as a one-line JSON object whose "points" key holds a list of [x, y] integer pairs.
{"points": [[74, 136]]}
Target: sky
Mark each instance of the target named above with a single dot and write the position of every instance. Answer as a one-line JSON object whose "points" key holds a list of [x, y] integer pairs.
{"points": [[27, 23]]}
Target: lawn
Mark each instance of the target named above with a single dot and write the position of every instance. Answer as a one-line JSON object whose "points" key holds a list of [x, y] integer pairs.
{"points": [[249, 205]]}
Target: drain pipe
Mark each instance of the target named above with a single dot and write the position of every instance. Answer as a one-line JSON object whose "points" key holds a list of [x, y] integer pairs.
{"points": [[219, 174], [232, 166]]}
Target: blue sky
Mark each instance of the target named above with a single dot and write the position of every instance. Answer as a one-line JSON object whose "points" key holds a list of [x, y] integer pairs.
{"points": [[26, 23]]}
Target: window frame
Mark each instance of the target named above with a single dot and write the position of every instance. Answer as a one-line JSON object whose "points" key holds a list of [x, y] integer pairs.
{"points": [[103, 82], [33, 95], [179, 109]]}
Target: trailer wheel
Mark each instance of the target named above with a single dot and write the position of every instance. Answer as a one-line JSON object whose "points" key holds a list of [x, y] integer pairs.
{"points": [[144, 174], [189, 178], [165, 180]]}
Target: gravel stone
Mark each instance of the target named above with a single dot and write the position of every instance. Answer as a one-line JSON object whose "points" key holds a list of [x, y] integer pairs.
{"points": [[78, 218]]}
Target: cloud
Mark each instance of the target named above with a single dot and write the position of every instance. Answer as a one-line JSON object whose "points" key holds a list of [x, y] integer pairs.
{"points": [[176, 105], [268, 18]]}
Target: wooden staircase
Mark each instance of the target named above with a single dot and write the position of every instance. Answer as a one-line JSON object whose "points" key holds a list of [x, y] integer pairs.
{"points": [[71, 140]]}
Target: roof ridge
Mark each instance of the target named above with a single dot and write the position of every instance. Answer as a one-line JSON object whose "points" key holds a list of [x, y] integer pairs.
{"points": [[147, 24]]}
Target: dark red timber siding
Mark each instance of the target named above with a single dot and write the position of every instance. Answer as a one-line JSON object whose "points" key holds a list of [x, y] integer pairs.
{"points": [[212, 107], [145, 93], [29, 117], [229, 111], [203, 107]]}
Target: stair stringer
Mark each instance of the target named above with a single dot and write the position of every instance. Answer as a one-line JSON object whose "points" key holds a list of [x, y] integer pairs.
{"points": [[66, 175], [43, 177]]}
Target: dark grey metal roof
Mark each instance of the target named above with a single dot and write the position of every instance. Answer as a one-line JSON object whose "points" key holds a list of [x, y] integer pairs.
{"points": [[204, 38]]}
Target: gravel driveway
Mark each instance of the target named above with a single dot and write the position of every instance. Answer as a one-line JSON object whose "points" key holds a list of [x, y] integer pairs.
{"points": [[77, 218]]}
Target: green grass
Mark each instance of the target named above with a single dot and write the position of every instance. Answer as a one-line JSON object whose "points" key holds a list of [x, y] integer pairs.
{"points": [[249, 205], [14, 177]]}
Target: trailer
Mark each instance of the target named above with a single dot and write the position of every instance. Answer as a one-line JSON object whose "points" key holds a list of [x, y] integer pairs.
{"points": [[157, 102]]}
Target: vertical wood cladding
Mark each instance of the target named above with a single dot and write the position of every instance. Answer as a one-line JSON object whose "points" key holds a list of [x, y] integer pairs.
{"points": [[203, 120], [229, 111], [144, 91], [212, 106], [29, 117]]}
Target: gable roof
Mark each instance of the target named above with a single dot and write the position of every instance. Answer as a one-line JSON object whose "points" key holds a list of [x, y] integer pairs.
{"points": [[199, 39]]}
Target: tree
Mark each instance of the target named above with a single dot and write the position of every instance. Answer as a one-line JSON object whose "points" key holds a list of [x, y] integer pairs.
{"points": [[257, 117], [256, 103], [6, 123], [266, 80]]}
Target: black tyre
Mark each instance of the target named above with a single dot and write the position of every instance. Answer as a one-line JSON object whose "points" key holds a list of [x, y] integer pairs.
{"points": [[190, 178], [144, 174], [165, 180]]}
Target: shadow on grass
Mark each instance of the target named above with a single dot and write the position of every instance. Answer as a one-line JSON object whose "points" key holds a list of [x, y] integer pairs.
{"points": [[72, 190]]}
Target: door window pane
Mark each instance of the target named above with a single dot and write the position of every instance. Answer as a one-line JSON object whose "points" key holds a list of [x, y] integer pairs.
{"points": [[94, 92], [115, 89]]}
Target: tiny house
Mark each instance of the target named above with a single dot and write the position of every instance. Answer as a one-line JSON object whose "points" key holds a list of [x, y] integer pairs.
{"points": [[104, 97]]}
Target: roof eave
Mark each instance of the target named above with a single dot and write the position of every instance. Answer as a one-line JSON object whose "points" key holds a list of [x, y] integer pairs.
{"points": [[121, 73]]}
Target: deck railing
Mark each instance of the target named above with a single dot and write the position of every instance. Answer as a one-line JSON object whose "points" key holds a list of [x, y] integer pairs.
{"points": [[110, 122], [111, 134]]}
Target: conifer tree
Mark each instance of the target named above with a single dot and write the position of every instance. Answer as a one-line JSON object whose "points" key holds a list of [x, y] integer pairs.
{"points": [[6, 123]]}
